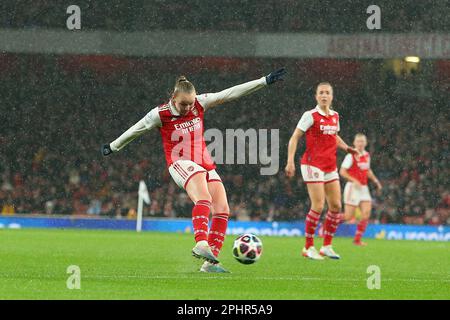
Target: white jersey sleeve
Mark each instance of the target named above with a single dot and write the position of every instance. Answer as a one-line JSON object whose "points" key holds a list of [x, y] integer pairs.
{"points": [[149, 121], [348, 161], [306, 121], [209, 100]]}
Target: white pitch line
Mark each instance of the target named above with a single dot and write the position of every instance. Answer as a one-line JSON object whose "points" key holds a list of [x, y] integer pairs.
{"points": [[231, 276], [234, 277]]}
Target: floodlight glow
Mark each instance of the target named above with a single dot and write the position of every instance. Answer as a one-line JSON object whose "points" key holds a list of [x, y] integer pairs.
{"points": [[412, 59]]}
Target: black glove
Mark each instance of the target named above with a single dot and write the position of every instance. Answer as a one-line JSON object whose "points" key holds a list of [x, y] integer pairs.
{"points": [[106, 150], [276, 76]]}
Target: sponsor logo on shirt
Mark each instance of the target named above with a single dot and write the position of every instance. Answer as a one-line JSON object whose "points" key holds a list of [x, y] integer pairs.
{"points": [[363, 165], [328, 129], [188, 126]]}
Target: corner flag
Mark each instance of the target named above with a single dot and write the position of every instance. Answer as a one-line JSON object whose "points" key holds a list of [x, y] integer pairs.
{"points": [[143, 196]]}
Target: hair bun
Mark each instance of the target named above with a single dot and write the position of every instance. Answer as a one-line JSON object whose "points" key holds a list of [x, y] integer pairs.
{"points": [[182, 84]]}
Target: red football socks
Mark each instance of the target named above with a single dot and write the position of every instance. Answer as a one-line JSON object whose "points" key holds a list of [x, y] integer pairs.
{"points": [[217, 232], [200, 219], [360, 229], [312, 220], [330, 226]]}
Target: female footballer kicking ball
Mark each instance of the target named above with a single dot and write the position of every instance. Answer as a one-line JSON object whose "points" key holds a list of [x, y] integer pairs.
{"points": [[318, 166], [356, 170], [180, 123]]}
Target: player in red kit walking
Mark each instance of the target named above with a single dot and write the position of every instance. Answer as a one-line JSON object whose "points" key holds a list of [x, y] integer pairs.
{"points": [[180, 123], [356, 170], [319, 171]]}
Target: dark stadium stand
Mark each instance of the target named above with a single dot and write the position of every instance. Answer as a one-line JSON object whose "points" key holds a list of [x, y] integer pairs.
{"points": [[229, 15]]}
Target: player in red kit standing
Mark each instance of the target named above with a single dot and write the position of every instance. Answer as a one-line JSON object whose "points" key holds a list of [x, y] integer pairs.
{"points": [[319, 171], [180, 123], [356, 170]]}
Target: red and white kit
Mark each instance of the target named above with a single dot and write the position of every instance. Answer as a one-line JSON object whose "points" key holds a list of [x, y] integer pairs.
{"points": [[318, 164], [184, 145], [182, 135], [357, 167]]}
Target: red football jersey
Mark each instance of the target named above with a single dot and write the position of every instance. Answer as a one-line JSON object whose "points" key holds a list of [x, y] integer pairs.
{"points": [[320, 133], [182, 136], [358, 166]]}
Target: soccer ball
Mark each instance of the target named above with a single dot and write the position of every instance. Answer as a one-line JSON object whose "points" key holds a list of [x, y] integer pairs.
{"points": [[247, 248]]}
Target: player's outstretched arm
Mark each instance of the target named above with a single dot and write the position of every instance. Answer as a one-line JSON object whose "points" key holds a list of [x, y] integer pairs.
{"points": [[150, 121], [342, 145], [292, 148], [210, 100]]}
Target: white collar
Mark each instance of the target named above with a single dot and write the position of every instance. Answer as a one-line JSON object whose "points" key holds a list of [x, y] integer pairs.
{"points": [[323, 113], [172, 109]]}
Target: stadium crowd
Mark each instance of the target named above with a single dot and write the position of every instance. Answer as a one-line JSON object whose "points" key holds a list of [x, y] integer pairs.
{"points": [[229, 15], [54, 121]]}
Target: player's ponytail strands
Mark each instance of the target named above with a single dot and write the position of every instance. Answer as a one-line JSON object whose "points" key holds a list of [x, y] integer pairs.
{"points": [[200, 219], [182, 84], [217, 233], [331, 224], [312, 220]]}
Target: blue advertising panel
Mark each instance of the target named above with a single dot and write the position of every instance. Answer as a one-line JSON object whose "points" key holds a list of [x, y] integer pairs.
{"points": [[263, 228]]}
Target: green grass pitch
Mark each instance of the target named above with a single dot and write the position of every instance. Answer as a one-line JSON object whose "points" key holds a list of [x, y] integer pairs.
{"points": [[128, 265]]}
